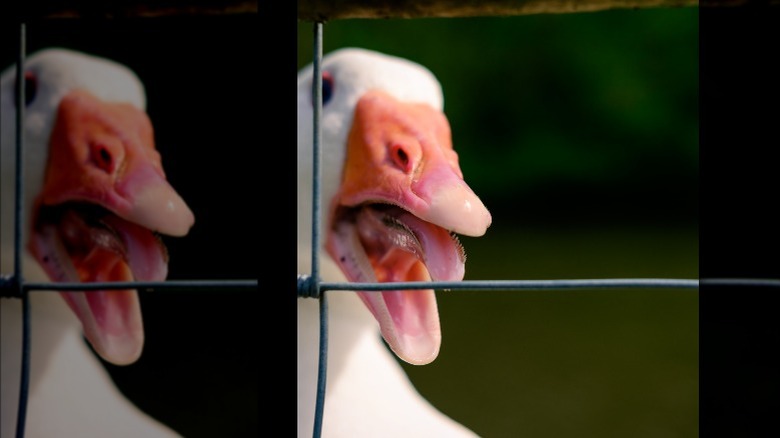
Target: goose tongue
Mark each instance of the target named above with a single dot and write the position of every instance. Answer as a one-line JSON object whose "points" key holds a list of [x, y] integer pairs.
{"points": [[388, 244], [413, 250], [75, 245]]}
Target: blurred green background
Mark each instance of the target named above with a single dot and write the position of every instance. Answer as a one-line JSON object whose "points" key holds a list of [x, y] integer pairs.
{"points": [[580, 134]]}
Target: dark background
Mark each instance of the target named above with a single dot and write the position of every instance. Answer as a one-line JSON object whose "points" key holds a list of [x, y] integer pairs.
{"points": [[226, 136], [739, 225]]}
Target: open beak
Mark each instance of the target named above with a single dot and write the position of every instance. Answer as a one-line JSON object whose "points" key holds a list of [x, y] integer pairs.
{"points": [[104, 202], [401, 203]]}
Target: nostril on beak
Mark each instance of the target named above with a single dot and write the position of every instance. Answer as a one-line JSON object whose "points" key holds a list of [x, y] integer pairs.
{"points": [[103, 158], [401, 158]]}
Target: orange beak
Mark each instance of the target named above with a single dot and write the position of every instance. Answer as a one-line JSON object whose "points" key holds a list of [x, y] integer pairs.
{"points": [[401, 200], [104, 198]]}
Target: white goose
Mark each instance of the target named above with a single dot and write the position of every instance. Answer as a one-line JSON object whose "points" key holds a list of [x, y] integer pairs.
{"points": [[94, 193], [392, 198]]}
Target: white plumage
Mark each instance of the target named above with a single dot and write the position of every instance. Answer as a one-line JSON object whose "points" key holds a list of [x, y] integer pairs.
{"points": [[384, 114]]}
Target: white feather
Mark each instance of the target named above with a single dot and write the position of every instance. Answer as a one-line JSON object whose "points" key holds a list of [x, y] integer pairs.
{"points": [[368, 393]]}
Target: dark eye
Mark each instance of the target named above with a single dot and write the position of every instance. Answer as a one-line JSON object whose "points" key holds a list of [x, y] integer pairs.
{"points": [[327, 88], [30, 88]]}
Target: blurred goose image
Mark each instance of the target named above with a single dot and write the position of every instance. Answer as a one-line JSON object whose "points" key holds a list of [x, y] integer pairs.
{"points": [[96, 200]]}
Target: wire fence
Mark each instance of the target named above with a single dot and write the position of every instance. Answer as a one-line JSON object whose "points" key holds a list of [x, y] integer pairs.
{"points": [[16, 287], [310, 286]]}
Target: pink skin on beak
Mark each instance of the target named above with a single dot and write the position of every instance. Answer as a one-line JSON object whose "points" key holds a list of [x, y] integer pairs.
{"points": [[103, 154], [401, 154]]}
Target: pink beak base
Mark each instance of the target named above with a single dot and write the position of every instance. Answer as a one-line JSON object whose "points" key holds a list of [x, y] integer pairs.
{"points": [[401, 154], [103, 154]]}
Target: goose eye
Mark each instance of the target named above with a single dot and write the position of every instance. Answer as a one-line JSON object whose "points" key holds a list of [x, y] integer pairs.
{"points": [[30, 88], [327, 88]]}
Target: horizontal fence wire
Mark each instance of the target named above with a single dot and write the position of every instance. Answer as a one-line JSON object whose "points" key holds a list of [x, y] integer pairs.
{"points": [[304, 284], [195, 285], [9, 288]]}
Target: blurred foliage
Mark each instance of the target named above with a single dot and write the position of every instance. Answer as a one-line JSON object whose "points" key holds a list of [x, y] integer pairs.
{"points": [[596, 111]]}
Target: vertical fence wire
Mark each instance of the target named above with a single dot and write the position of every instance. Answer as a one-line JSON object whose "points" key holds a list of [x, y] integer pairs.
{"points": [[322, 366], [24, 383]]}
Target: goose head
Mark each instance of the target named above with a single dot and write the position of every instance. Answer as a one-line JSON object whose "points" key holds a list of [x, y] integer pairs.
{"points": [[394, 197], [95, 194]]}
